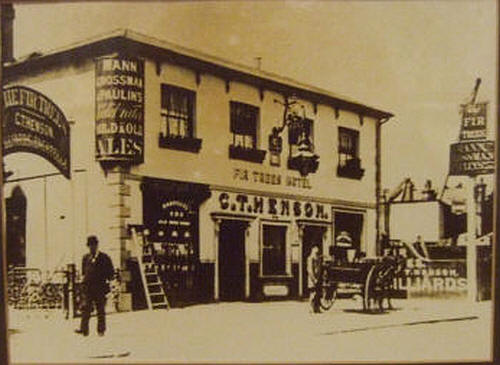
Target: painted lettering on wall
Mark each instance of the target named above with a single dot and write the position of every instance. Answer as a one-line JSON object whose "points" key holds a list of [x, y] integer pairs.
{"points": [[259, 177], [120, 109], [434, 278], [252, 204]]}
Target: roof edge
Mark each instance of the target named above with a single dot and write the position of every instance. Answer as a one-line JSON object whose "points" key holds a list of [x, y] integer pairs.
{"points": [[110, 42]]}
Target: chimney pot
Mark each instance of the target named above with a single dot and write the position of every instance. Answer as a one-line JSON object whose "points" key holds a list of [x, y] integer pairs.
{"points": [[8, 15]]}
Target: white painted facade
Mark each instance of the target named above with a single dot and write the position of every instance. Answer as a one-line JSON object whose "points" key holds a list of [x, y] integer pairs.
{"points": [[61, 213]]}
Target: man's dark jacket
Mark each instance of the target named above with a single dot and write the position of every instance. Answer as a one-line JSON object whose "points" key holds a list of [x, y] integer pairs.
{"points": [[96, 272]]}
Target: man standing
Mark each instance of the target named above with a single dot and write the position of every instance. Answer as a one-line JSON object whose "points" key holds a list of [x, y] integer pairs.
{"points": [[314, 278], [97, 270]]}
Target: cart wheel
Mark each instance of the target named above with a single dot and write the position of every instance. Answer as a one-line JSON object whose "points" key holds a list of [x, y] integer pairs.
{"points": [[328, 296], [368, 289]]}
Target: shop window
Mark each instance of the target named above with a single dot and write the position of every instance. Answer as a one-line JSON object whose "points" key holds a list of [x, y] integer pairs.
{"points": [[349, 162], [301, 141], [274, 250], [244, 121], [178, 119]]}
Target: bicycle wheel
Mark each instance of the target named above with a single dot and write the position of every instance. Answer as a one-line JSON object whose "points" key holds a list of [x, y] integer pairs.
{"points": [[327, 297]]}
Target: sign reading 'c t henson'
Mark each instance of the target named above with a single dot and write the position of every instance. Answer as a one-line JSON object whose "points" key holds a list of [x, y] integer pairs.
{"points": [[34, 124]]}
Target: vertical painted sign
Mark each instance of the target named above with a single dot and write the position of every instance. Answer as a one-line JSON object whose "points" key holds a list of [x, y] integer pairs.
{"points": [[119, 125]]}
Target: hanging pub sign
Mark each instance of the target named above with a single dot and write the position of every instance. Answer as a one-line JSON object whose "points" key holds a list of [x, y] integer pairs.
{"points": [[473, 122], [34, 124], [119, 124], [472, 158]]}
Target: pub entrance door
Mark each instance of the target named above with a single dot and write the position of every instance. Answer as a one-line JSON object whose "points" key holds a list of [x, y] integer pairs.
{"points": [[313, 236], [232, 260]]}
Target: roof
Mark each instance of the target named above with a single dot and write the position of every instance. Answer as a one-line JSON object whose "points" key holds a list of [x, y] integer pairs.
{"points": [[130, 42]]}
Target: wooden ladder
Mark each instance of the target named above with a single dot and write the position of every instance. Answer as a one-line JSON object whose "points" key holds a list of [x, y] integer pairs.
{"points": [[155, 295]]}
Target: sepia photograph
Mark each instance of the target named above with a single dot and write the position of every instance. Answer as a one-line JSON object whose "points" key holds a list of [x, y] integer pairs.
{"points": [[282, 181]]}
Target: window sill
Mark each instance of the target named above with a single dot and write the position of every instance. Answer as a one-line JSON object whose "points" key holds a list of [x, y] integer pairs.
{"points": [[350, 172], [187, 144], [247, 154], [275, 276]]}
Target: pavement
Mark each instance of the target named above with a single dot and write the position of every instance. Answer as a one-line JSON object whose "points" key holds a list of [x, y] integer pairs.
{"points": [[285, 331]]}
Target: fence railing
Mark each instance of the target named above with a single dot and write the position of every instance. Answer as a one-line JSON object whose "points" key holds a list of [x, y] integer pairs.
{"points": [[30, 288]]}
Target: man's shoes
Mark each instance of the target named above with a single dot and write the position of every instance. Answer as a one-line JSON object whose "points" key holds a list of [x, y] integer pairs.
{"points": [[100, 334], [80, 332]]}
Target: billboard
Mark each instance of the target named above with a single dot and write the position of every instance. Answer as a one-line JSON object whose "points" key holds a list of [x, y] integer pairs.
{"points": [[119, 125], [409, 220]]}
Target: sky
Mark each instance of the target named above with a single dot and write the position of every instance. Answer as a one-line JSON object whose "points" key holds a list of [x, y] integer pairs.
{"points": [[417, 59]]}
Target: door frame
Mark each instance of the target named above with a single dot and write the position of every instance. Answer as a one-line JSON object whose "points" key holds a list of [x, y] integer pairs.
{"points": [[327, 225], [247, 220]]}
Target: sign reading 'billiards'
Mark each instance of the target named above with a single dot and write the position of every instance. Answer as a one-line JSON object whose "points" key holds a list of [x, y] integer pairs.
{"points": [[119, 109]]}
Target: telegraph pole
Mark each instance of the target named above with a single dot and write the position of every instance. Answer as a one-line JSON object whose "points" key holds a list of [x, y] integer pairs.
{"points": [[4, 346]]}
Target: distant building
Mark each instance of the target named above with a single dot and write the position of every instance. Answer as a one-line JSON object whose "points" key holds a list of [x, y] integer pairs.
{"points": [[437, 218]]}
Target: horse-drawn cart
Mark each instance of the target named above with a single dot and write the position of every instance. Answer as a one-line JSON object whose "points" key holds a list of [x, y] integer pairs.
{"points": [[372, 279]]}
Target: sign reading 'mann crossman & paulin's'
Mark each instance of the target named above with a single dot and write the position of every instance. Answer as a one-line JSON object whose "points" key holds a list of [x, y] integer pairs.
{"points": [[472, 158], [34, 124], [119, 123]]}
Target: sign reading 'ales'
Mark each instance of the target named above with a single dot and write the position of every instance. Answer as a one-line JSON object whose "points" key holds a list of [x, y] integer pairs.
{"points": [[119, 109], [34, 124]]}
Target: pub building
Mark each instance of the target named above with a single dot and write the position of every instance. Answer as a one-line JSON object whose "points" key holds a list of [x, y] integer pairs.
{"points": [[229, 174]]}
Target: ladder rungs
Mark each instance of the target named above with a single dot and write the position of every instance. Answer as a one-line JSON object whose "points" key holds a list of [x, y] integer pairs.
{"points": [[161, 306], [154, 290]]}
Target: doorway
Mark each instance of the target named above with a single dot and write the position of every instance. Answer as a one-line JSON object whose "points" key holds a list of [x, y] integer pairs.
{"points": [[312, 236], [352, 223], [232, 260]]}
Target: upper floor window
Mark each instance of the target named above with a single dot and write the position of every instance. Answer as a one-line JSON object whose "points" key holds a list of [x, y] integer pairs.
{"points": [[244, 121], [349, 161], [178, 119]]}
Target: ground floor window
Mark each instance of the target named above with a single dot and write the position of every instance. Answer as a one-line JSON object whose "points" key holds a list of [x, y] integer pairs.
{"points": [[274, 250]]}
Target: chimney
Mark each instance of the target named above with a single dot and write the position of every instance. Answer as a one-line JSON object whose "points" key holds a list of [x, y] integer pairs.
{"points": [[8, 15]]}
